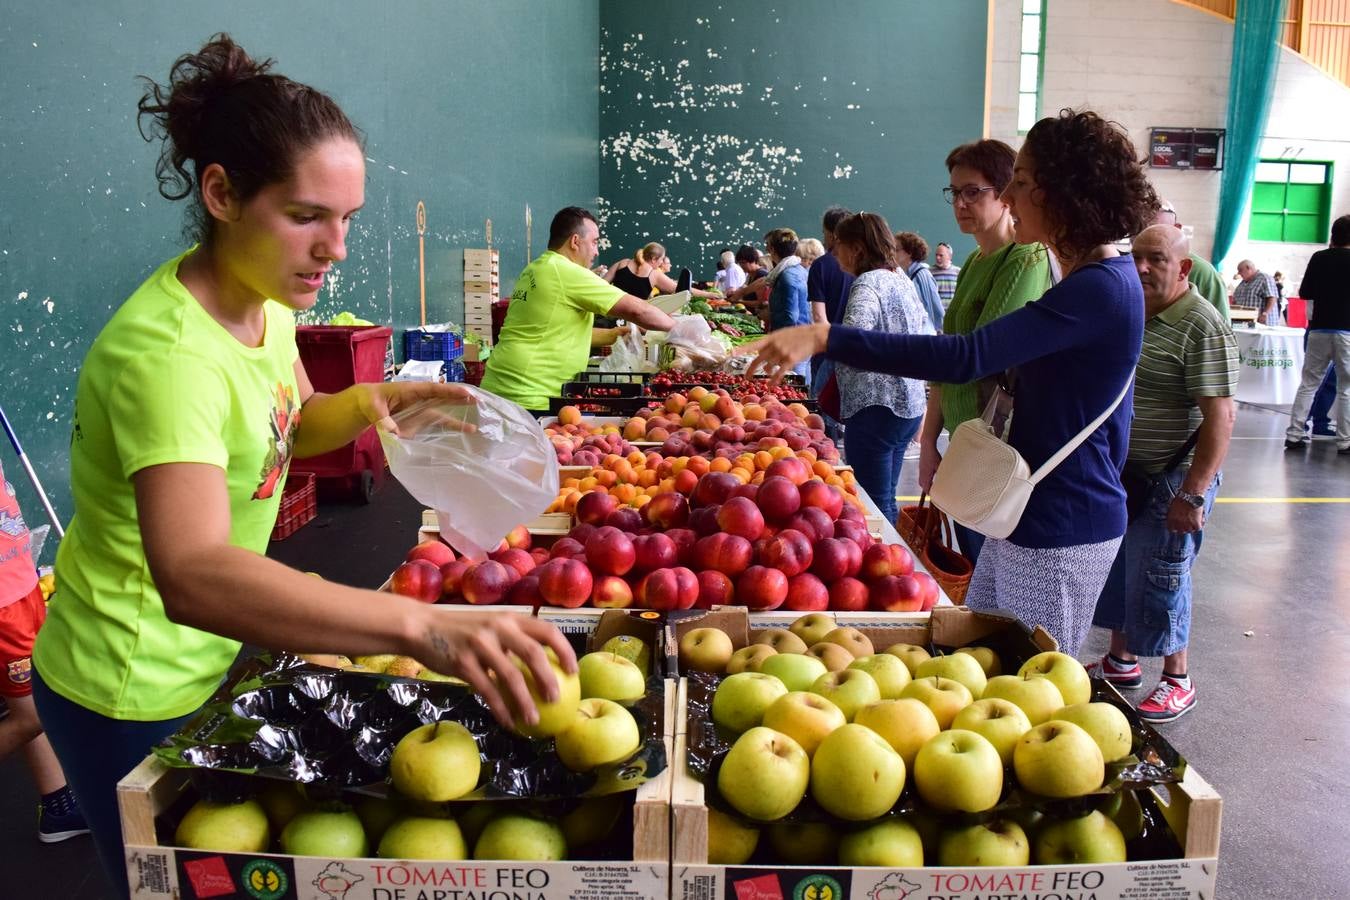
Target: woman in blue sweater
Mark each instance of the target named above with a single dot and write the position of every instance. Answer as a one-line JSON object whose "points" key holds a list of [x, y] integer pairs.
{"points": [[1077, 188]]}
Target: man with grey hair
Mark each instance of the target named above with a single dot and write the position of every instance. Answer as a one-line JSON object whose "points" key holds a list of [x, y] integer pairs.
{"points": [[1203, 275], [729, 275], [1257, 291], [944, 273]]}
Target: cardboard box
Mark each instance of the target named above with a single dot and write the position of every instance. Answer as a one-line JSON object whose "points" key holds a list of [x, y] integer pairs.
{"points": [[483, 286], [160, 870], [479, 256]]}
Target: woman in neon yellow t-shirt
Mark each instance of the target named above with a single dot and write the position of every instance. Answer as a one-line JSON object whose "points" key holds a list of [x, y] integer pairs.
{"points": [[190, 404]]}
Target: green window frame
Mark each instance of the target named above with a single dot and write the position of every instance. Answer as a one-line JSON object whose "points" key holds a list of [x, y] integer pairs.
{"points": [[1291, 201], [1031, 70]]}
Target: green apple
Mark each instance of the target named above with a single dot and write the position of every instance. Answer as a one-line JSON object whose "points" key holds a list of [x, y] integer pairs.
{"points": [[436, 762], [960, 667], [959, 771], [375, 663], [1066, 672], [281, 800], [855, 774], [749, 659], [906, 724], [852, 640], [422, 837], [987, 659], [889, 672], [804, 843], [1001, 842], [780, 640], [910, 654], [1087, 840], [706, 650], [730, 841], [1106, 723], [592, 820], [812, 628], [631, 648], [764, 775], [335, 832], [227, 827], [428, 675], [835, 657], [1038, 697], [377, 814], [602, 733], [805, 717], [1124, 809], [796, 670], [473, 820], [944, 696], [555, 716], [1058, 759], [892, 843], [742, 699], [850, 690], [519, 836], [610, 677], [1001, 722]]}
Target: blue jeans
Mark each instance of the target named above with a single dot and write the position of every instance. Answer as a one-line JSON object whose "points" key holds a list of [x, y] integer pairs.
{"points": [[969, 541], [1148, 593], [1323, 399], [95, 753], [875, 447], [820, 375]]}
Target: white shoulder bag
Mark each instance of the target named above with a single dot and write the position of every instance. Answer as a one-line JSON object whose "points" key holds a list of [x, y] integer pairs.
{"points": [[984, 483]]}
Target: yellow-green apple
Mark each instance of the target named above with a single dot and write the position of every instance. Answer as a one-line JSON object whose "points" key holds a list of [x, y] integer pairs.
{"points": [[892, 843], [813, 628], [473, 820], [796, 670], [835, 657], [804, 843], [742, 699], [376, 663], [1087, 840], [764, 775], [855, 775], [227, 827], [1001, 722], [944, 696], [960, 667], [706, 650], [610, 676], [630, 648], [378, 813], [780, 639], [958, 771], [334, 832], [1124, 809], [436, 762], [749, 659], [1106, 723], [889, 672], [987, 659], [1058, 759], [520, 836], [850, 690], [603, 732], [404, 667], [910, 654], [731, 842], [1066, 672], [553, 716], [1038, 697], [592, 820], [1000, 842], [852, 640], [906, 724], [805, 717], [423, 837], [281, 800]]}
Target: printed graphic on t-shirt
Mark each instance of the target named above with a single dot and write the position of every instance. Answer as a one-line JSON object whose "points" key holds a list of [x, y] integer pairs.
{"points": [[21, 670], [13, 529], [284, 420]]}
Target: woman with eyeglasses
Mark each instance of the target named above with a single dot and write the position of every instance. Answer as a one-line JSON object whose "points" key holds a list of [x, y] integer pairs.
{"points": [[1076, 187], [1000, 276]]}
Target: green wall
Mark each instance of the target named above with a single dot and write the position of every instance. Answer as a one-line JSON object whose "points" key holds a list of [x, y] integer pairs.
{"points": [[722, 120], [475, 108]]}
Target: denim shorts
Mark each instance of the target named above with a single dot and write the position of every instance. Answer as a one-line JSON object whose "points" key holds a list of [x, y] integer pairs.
{"points": [[1148, 593]]}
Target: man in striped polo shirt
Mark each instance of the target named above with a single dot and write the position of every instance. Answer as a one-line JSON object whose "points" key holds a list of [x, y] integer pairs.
{"points": [[1184, 383]]}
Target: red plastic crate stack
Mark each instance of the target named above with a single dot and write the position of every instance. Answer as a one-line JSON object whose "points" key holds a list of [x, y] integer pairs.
{"points": [[298, 505]]}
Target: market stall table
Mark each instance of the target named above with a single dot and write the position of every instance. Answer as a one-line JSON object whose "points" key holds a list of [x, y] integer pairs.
{"points": [[1270, 361]]}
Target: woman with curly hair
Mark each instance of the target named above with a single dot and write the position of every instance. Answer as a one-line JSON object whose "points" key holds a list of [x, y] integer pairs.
{"points": [[1077, 187]]}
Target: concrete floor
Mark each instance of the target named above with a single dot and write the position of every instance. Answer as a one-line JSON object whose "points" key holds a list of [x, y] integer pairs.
{"points": [[1271, 731]]}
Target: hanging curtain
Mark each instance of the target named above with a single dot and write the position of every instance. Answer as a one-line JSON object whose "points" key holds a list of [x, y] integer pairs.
{"points": [[1251, 80]]}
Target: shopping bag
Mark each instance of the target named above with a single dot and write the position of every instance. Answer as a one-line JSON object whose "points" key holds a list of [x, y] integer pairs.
{"points": [[934, 542]]}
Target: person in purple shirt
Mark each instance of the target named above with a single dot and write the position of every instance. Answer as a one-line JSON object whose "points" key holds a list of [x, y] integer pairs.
{"points": [[1077, 188]]}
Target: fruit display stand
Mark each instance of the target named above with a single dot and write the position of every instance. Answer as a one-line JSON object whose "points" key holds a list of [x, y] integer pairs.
{"points": [[1190, 807], [157, 868]]}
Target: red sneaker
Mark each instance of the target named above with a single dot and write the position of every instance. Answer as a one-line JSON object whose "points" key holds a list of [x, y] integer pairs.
{"points": [[1168, 702], [1125, 677]]}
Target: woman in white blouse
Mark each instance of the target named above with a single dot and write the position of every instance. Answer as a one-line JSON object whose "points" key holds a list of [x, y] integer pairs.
{"points": [[882, 412]]}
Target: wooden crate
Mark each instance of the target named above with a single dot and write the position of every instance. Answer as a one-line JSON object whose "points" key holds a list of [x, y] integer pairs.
{"points": [[483, 286], [480, 256]]}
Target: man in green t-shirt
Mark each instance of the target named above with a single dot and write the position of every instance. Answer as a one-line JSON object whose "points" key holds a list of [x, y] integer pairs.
{"points": [[1202, 275], [549, 328]]}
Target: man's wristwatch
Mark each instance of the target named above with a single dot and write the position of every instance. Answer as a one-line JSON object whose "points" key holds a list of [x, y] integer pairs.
{"points": [[1195, 501]]}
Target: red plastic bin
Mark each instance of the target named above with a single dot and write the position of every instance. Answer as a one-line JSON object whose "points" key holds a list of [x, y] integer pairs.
{"points": [[298, 506], [335, 358]]}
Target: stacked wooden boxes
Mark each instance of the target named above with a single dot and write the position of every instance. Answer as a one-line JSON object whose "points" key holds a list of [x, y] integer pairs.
{"points": [[482, 285]]}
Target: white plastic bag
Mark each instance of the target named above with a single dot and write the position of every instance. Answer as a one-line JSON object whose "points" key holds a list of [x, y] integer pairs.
{"points": [[693, 341], [483, 464], [629, 353]]}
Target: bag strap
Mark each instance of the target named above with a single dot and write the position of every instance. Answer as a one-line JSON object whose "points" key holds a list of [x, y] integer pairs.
{"points": [[1182, 451], [1078, 439]]}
